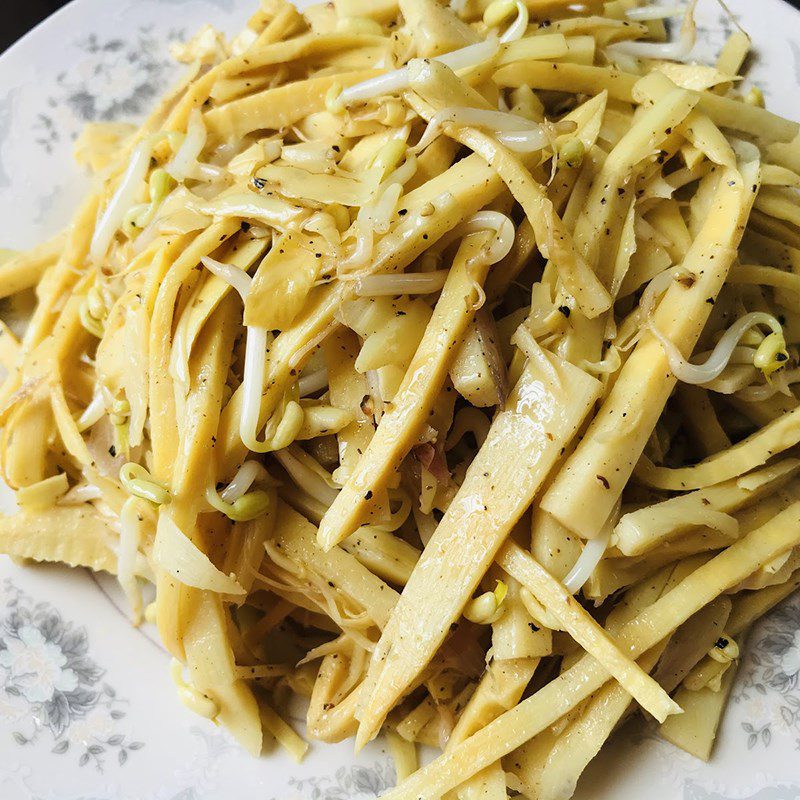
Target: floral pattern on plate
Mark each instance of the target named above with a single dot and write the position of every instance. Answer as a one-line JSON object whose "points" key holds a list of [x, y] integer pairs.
{"points": [[50, 686], [786, 791], [348, 783], [115, 74], [767, 685], [67, 726], [118, 78]]}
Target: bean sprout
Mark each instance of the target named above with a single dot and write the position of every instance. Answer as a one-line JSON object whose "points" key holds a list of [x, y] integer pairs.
{"points": [[724, 650], [123, 198], [194, 700], [140, 483], [92, 414], [486, 220], [361, 254], [647, 13], [591, 555], [498, 121], [244, 478], [519, 26], [535, 139], [403, 283], [672, 51], [233, 276], [487, 608], [257, 340], [243, 509], [757, 394], [397, 80], [312, 382], [80, 494], [312, 483], [722, 352], [184, 161]]}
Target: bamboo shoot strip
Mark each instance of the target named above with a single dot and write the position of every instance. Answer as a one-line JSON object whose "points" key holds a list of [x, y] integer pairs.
{"points": [[580, 681], [775, 437], [724, 111], [277, 108], [208, 369], [399, 428], [75, 535], [591, 481], [589, 634], [552, 238], [457, 193], [696, 730], [642, 530], [542, 414], [212, 668], [296, 537], [584, 737]]}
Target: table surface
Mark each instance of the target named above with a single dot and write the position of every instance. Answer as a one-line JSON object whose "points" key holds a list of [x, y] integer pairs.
{"points": [[27, 13]]}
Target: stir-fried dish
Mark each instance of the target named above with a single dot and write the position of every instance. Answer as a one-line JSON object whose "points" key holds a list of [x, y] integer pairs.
{"points": [[437, 365]]}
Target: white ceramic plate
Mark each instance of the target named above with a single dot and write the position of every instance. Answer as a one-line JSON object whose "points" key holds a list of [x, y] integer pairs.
{"points": [[87, 709]]}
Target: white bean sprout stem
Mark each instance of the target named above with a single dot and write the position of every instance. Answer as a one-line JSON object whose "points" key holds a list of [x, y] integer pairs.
{"points": [[184, 161], [122, 200], [254, 354], [516, 30], [647, 13], [397, 80], [721, 354], [403, 283], [679, 50], [482, 221], [590, 557], [500, 121], [311, 483], [244, 478], [312, 382]]}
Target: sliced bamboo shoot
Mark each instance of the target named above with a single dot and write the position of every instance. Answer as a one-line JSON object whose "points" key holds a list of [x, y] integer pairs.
{"points": [[590, 482], [542, 414], [557, 601], [399, 428], [557, 698], [640, 531]]}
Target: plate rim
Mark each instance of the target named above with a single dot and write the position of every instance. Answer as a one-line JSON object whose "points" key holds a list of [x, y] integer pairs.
{"points": [[75, 4], [19, 50]]}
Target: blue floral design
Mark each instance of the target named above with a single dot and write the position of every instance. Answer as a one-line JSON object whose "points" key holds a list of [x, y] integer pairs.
{"points": [[773, 670], [125, 78], [348, 783], [795, 48], [693, 791], [50, 685], [6, 118]]}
